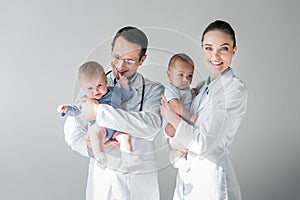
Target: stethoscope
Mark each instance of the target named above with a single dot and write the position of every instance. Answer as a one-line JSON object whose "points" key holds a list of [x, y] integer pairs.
{"points": [[143, 90]]}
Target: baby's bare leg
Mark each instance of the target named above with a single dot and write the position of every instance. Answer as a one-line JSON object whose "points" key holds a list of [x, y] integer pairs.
{"points": [[97, 136], [125, 141], [128, 157]]}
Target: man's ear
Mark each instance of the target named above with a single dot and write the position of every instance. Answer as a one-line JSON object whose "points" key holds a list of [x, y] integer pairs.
{"points": [[143, 59]]}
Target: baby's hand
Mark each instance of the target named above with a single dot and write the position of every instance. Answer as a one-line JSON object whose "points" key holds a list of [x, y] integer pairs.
{"points": [[62, 109], [194, 92], [123, 82], [170, 130]]}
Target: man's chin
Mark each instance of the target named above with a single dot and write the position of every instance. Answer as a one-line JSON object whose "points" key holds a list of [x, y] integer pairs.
{"points": [[118, 74]]}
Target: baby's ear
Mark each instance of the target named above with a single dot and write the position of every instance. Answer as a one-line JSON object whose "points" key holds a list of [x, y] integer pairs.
{"points": [[105, 79], [169, 74]]}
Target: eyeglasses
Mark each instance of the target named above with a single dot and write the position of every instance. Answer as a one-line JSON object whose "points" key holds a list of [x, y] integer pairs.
{"points": [[127, 61]]}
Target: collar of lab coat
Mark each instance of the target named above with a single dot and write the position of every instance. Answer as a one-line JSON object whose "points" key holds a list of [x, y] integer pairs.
{"points": [[214, 87], [219, 82]]}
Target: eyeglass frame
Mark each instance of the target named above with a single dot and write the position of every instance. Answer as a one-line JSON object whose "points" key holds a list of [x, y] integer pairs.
{"points": [[127, 61]]}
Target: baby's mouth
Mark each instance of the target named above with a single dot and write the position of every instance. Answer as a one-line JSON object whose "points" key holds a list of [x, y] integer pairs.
{"points": [[97, 95]]}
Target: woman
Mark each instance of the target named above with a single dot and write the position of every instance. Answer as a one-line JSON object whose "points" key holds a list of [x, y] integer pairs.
{"points": [[220, 105]]}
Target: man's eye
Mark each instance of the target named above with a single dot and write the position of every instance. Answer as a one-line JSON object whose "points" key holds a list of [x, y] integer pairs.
{"points": [[129, 61], [190, 76], [208, 48]]}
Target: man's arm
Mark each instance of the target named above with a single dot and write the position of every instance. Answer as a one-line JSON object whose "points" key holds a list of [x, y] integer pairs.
{"points": [[143, 124], [75, 130]]}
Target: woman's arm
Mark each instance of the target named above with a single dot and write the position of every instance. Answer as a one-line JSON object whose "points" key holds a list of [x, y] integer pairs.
{"points": [[180, 109], [223, 113]]}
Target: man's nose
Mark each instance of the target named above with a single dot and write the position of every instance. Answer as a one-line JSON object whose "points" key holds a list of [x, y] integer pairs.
{"points": [[121, 64]]}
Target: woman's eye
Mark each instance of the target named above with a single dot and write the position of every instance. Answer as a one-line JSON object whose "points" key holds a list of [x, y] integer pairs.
{"points": [[190, 76], [208, 48], [224, 49]]}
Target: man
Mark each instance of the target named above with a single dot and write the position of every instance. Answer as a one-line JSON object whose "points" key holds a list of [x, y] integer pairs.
{"points": [[140, 117]]}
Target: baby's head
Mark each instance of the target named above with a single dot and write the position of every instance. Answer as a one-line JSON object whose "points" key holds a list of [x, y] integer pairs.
{"points": [[92, 79], [180, 70]]}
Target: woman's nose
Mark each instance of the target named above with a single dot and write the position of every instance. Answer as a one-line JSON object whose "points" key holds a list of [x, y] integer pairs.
{"points": [[216, 54]]}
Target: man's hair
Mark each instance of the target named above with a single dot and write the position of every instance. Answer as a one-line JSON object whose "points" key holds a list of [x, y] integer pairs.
{"points": [[90, 70], [180, 56], [133, 35]]}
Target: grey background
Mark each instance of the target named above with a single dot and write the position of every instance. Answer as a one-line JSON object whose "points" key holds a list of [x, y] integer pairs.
{"points": [[43, 42]]}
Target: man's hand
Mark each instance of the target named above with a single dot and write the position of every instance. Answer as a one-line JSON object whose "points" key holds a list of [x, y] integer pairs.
{"points": [[108, 144], [89, 108], [123, 81]]}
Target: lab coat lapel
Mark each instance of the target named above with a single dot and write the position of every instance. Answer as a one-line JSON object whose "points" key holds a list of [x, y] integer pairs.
{"points": [[204, 100], [217, 89], [199, 99], [221, 82]]}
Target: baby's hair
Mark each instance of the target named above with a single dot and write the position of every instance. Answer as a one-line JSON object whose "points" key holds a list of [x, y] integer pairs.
{"points": [[180, 56], [90, 70]]}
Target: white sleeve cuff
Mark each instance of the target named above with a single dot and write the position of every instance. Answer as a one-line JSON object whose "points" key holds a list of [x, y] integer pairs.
{"points": [[183, 134]]}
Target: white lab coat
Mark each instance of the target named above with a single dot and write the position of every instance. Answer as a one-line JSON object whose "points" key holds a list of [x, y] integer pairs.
{"points": [[208, 173], [116, 182]]}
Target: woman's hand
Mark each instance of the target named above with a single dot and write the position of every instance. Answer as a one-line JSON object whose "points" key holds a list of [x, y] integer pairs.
{"points": [[180, 150], [168, 112]]}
